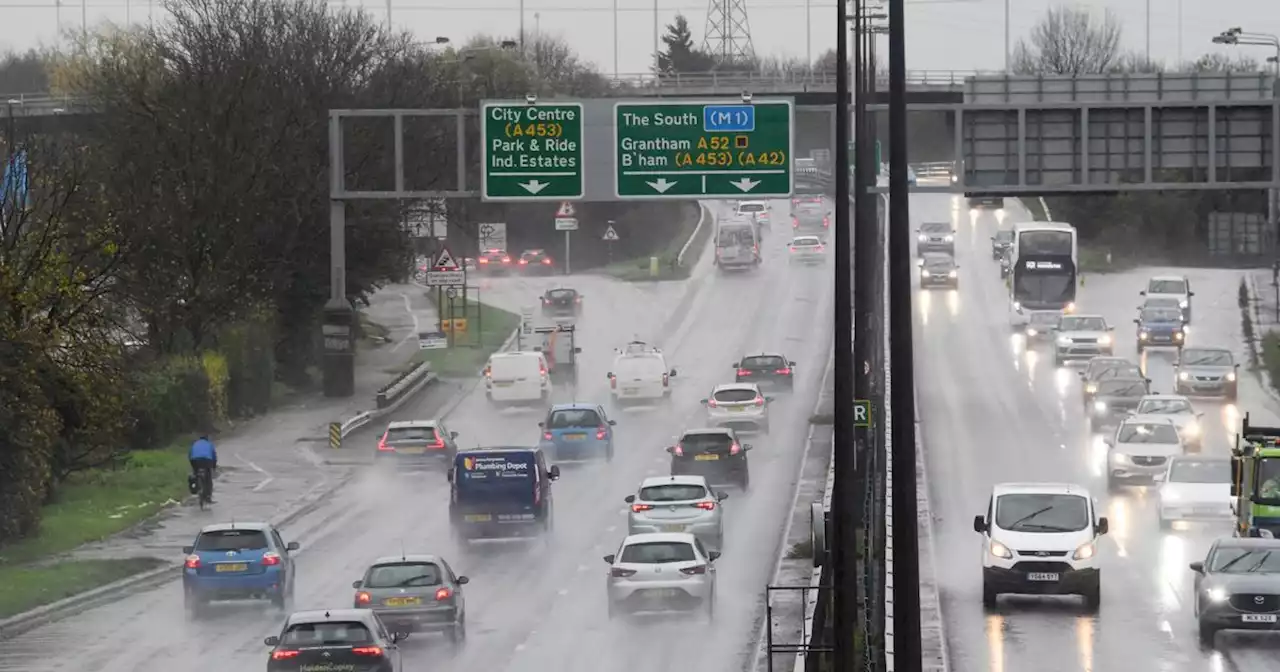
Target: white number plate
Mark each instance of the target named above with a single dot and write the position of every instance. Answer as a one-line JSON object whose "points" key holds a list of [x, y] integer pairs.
{"points": [[1258, 618], [1043, 576]]}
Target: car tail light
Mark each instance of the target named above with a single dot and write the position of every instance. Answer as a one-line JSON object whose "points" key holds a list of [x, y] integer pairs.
{"points": [[546, 261], [795, 223], [620, 573], [784, 371], [641, 507], [601, 432], [613, 382], [270, 559], [483, 260], [793, 249], [759, 401], [524, 262], [705, 506], [363, 598], [712, 403], [546, 301], [382, 444], [506, 260], [193, 562], [735, 449], [578, 300], [443, 594], [821, 248], [546, 436], [826, 221], [488, 372], [367, 651], [542, 370], [284, 655], [678, 450], [666, 380], [718, 251], [744, 372], [438, 444], [694, 571]]}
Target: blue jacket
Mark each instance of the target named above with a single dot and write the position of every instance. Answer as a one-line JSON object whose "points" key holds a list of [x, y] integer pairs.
{"points": [[202, 449]]}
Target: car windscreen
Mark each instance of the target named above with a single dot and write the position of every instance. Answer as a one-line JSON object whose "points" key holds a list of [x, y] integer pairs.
{"points": [[327, 633], [1159, 406], [1167, 287], [1036, 512], [1122, 388], [1004, 236], [734, 396], [1200, 471], [530, 254], [573, 417], [1083, 324], [734, 236], [1045, 318], [411, 434], [1141, 432], [638, 368], [1118, 370], [560, 294], [806, 242], [751, 207], [495, 469], [766, 362], [939, 263], [658, 552], [232, 540], [672, 492], [1195, 357], [1161, 302], [935, 227], [1238, 560], [1161, 315], [701, 443], [402, 575], [810, 209]]}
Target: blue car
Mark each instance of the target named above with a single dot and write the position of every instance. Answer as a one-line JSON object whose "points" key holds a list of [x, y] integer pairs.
{"points": [[238, 561], [577, 433], [1160, 327]]}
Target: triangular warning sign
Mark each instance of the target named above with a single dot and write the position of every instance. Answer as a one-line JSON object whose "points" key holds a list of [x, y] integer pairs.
{"points": [[445, 261], [566, 209], [610, 234]]}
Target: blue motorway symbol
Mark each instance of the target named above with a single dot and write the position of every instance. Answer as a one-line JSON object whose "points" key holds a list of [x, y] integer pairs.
{"points": [[728, 118]]}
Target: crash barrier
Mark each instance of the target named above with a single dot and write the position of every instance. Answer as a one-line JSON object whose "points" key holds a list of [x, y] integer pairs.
{"points": [[404, 386], [933, 169], [704, 219]]}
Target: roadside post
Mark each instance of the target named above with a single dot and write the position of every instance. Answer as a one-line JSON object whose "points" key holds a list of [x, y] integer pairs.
{"points": [[566, 220], [610, 237]]}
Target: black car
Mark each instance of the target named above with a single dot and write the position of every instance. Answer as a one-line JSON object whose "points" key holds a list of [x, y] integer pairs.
{"points": [[562, 302], [535, 261], [715, 453], [1003, 240], [1115, 398], [766, 370], [1099, 368], [939, 270], [337, 639], [1237, 587]]}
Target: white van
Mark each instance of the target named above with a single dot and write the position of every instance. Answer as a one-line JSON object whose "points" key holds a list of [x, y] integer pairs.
{"points": [[737, 245], [517, 377], [640, 377]]}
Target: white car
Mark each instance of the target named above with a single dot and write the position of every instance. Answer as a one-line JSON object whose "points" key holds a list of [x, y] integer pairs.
{"points": [[640, 375], [752, 209], [1082, 337], [678, 504], [1196, 488], [1040, 539], [1141, 449], [1175, 286], [662, 572], [1179, 409], [740, 406], [808, 250]]}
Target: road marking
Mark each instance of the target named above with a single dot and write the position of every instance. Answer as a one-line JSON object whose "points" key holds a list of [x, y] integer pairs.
{"points": [[562, 592], [408, 308], [611, 528], [264, 482]]}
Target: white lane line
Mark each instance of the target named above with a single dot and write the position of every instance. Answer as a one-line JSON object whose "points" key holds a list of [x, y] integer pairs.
{"points": [[408, 308], [265, 481], [611, 528]]}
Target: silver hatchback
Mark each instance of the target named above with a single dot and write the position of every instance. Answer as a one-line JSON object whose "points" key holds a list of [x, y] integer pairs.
{"points": [[661, 573], [739, 406], [678, 504]]}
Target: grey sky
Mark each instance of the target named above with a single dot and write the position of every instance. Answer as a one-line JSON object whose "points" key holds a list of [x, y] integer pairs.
{"points": [[942, 34]]}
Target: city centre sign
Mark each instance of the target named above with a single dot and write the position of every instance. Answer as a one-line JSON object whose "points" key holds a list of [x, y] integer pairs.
{"points": [[697, 149], [532, 152]]}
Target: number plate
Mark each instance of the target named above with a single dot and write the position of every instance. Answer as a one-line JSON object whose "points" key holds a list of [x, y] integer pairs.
{"points": [[706, 457], [232, 567], [478, 518], [575, 437], [659, 594], [735, 409], [1258, 618], [412, 450], [673, 528], [403, 601], [1043, 576]]}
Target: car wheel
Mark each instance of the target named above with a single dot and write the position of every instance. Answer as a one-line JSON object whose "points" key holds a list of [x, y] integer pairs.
{"points": [[458, 633], [1206, 634], [990, 596], [1165, 523], [1093, 596], [1057, 361]]}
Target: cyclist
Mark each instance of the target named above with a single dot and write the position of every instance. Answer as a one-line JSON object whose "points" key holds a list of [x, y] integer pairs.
{"points": [[203, 456]]}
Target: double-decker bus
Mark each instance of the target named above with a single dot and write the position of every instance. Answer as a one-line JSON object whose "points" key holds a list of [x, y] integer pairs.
{"points": [[1043, 269]]}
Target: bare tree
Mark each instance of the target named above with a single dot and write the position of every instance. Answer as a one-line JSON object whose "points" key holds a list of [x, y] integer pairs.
{"points": [[1069, 41], [1223, 63]]}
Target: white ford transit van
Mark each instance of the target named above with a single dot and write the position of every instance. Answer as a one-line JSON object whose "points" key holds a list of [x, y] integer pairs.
{"points": [[517, 377]]}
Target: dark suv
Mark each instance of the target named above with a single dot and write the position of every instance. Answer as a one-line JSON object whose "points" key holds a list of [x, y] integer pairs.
{"points": [[766, 370], [716, 454]]}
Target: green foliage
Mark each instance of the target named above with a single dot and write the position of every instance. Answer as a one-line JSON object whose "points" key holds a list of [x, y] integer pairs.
{"points": [[680, 55], [26, 587], [489, 327], [250, 360], [1271, 356]]}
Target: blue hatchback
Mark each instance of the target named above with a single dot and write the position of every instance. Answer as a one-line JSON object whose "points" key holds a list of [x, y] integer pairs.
{"points": [[238, 561], [577, 433], [1160, 327]]}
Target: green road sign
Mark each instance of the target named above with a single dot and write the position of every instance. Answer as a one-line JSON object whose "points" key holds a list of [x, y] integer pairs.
{"points": [[691, 149], [531, 152], [861, 413]]}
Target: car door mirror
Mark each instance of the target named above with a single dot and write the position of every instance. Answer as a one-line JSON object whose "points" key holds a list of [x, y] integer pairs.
{"points": [[397, 637], [1109, 441], [979, 524], [670, 449], [542, 425], [613, 423], [1158, 478], [188, 550], [554, 472], [453, 435], [293, 546], [746, 447], [713, 556], [1197, 567], [462, 580], [609, 375], [791, 363], [271, 641], [1102, 527], [610, 558], [1191, 293], [721, 496], [630, 499], [1137, 321], [672, 373], [734, 365], [702, 401], [577, 351], [1142, 293]]}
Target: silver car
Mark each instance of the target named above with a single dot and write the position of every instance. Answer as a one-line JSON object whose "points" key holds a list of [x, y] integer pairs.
{"points": [[1207, 372], [808, 250], [1196, 488], [660, 573], [1041, 324], [740, 406], [415, 593], [1141, 449], [678, 504]]}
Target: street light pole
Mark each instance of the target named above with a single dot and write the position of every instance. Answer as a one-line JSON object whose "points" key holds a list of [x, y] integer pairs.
{"points": [[1148, 31], [1006, 37]]}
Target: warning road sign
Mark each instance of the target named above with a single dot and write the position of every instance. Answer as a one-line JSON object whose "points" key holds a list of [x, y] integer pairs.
{"points": [[445, 262], [610, 234], [566, 210]]}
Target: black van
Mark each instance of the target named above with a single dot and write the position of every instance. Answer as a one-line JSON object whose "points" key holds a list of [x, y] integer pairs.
{"points": [[500, 492]]}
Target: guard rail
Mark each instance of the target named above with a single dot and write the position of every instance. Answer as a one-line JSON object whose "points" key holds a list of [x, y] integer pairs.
{"points": [[784, 81]]}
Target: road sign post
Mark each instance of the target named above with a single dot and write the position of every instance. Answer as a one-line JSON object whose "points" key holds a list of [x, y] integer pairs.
{"points": [[532, 152], [609, 237], [693, 149], [566, 221]]}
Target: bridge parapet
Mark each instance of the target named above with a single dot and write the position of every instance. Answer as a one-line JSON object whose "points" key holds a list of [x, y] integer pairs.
{"points": [[731, 84]]}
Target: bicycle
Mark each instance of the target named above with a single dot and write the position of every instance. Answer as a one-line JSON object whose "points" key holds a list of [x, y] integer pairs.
{"points": [[204, 494]]}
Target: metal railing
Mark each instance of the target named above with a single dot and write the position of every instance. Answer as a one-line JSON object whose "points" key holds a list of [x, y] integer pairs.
{"points": [[756, 82], [934, 169], [18, 104], [811, 646]]}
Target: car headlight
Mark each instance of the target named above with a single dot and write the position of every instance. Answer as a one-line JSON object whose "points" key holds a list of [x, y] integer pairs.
{"points": [[1071, 307], [999, 212], [1085, 552], [1064, 341], [1192, 429], [922, 237], [1216, 595], [1177, 335], [1184, 304], [973, 212], [1099, 406], [1090, 388], [1017, 306], [952, 274], [1142, 335], [1105, 339], [924, 274], [1183, 375], [999, 550], [1118, 458], [1031, 331], [950, 239], [1231, 377]]}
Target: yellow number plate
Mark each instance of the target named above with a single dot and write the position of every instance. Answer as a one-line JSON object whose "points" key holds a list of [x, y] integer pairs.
{"points": [[574, 437], [403, 601], [232, 567], [708, 457], [478, 518]]}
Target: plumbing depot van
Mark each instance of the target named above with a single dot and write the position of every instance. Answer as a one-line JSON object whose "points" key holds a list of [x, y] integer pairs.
{"points": [[517, 377], [737, 245], [501, 492]]}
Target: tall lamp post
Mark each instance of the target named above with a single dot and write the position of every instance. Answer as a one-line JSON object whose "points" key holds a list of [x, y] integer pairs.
{"points": [[1238, 37]]}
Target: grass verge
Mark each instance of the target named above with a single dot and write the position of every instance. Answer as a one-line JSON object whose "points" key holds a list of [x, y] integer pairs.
{"points": [[638, 270], [90, 506], [25, 587], [488, 327]]}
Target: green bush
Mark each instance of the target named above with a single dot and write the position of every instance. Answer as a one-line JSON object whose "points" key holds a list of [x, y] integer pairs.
{"points": [[251, 367], [1271, 356], [173, 397]]}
